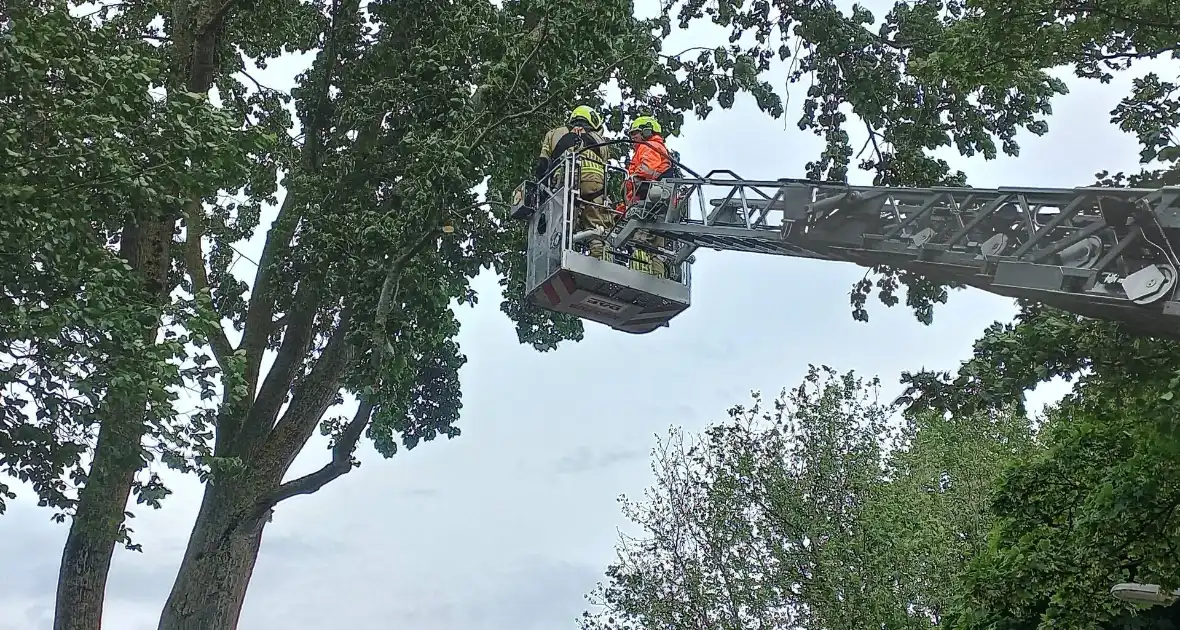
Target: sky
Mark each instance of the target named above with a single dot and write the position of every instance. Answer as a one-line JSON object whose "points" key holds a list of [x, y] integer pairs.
{"points": [[508, 526]]}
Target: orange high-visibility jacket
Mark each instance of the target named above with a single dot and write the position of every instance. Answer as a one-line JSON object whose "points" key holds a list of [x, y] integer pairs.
{"points": [[651, 159]]}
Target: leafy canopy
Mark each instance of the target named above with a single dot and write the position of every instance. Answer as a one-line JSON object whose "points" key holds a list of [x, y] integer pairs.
{"points": [[86, 148], [811, 511], [406, 109]]}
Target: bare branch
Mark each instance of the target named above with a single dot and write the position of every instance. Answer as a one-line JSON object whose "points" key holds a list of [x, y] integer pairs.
{"points": [[260, 87], [686, 51], [258, 325], [542, 29], [399, 264], [315, 395], [194, 260]]}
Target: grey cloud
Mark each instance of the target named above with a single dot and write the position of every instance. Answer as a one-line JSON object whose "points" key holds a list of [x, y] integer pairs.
{"points": [[538, 596], [36, 576], [25, 615], [585, 460], [420, 493], [140, 582], [677, 414], [532, 593], [289, 547], [30, 550], [714, 350]]}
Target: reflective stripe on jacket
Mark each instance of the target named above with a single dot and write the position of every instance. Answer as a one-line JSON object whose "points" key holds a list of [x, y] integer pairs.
{"points": [[593, 160]]}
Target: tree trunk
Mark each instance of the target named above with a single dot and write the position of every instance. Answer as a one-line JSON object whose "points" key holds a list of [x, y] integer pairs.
{"points": [[99, 513], [210, 587], [86, 558]]}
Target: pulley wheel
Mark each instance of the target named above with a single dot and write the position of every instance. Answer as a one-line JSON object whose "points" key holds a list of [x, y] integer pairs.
{"points": [[1156, 288]]}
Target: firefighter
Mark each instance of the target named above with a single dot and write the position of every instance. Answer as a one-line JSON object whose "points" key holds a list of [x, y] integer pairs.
{"points": [[650, 162], [583, 129]]}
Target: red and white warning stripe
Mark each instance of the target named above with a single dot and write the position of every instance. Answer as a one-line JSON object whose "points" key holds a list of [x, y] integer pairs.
{"points": [[559, 289]]}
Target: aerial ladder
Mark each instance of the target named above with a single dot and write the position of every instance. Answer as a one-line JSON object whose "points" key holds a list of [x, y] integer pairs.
{"points": [[1107, 253]]}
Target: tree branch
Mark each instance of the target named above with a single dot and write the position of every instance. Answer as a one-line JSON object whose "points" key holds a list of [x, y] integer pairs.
{"points": [[216, 14], [553, 96], [194, 259], [1095, 7], [312, 396], [399, 264], [260, 311], [260, 87], [297, 340], [340, 465], [317, 393], [542, 30]]}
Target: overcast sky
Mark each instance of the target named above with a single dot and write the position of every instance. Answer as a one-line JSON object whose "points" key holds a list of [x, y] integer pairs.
{"points": [[508, 526]]}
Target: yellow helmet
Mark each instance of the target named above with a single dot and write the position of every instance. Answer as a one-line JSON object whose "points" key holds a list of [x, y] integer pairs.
{"points": [[586, 114], [645, 123]]}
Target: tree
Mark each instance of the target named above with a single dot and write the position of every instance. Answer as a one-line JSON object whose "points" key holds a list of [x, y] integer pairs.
{"points": [[947, 73], [148, 356], [928, 517], [1095, 505], [88, 151], [815, 513], [1076, 519], [738, 518], [404, 112], [998, 53], [429, 101], [1001, 50], [1083, 515]]}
